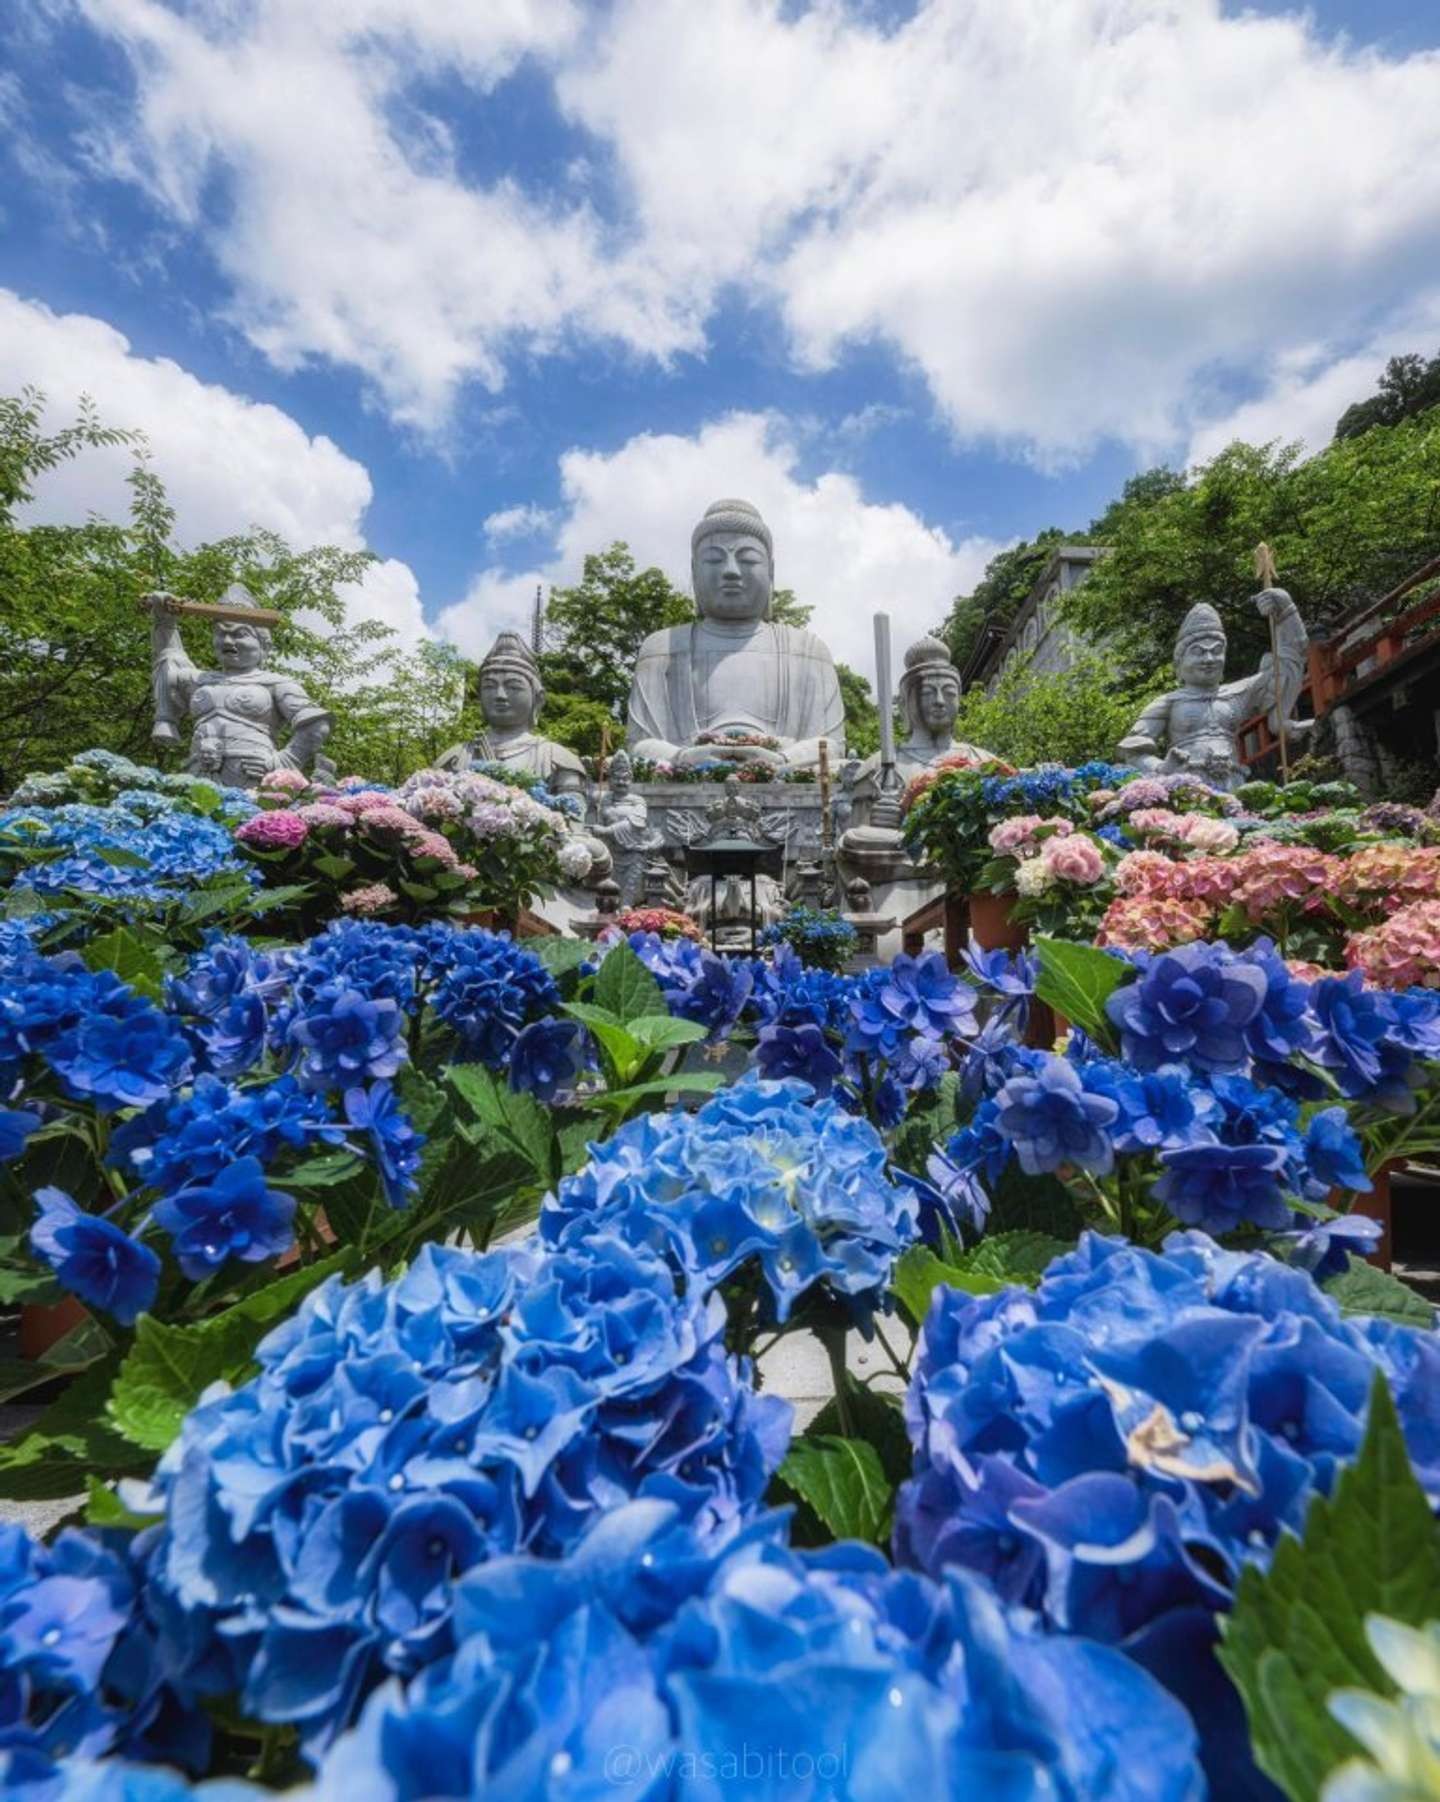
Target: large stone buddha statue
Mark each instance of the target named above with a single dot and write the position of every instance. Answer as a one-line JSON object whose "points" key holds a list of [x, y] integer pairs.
{"points": [[701, 690]]}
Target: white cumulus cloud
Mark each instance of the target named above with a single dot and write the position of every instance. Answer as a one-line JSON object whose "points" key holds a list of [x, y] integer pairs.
{"points": [[847, 556], [1066, 215], [228, 463]]}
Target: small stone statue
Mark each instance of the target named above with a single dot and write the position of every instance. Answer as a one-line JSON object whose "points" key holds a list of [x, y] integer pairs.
{"points": [[511, 697], [241, 709], [624, 828], [1193, 728], [929, 701], [733, 674]]}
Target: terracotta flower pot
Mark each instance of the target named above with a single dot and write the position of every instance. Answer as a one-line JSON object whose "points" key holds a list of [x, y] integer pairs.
{"points": [[40, 1328], [991, 923]]}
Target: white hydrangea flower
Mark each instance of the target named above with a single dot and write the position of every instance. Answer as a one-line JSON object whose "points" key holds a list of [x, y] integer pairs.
{"points": [[1401, 1735]]}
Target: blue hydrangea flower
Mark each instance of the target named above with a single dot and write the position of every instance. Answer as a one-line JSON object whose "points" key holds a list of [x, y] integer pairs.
{"points": [[342, 1038], [646, 1656], [788, 992], [697, 984], [1220, 1187], [1333, 1153], [546, 1057], [1190, 1006], [489, 988], [762, 1174], [121, 1051], [226, 995], [16, 1126], [93, 1258], [232, 1215], [194, 1137], [395, 1144], [1357, 1046], [801, 1051], [1325, 1247], [1052, 1120], [1157, 1110], [400, 1434], [1112, 1448]]}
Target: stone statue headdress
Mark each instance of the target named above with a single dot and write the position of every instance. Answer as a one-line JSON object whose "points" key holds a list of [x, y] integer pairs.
{"points": [[510, 651], [926, 657], [732, 516], [1202, 621], [621, 766]]}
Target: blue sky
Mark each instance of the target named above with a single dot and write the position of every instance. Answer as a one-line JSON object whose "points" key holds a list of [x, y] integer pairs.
{"points": [[482, 284]]}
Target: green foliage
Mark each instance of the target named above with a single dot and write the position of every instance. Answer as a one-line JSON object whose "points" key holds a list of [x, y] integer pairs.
{"points": [[1015, 1257], [844, 1483], [918, 1273], [1067, 716], [1364, 1289], [1410, 385], [1344, 525], [1077, 980], [593, 634], [862, 717], [1000, 593], [1297, 1630]]}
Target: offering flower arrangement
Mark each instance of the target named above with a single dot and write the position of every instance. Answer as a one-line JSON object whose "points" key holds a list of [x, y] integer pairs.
{"points": [[421, 1282], [665, 922]]}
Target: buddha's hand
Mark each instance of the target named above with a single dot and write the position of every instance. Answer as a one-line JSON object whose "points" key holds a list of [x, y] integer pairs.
{"points": [[160, 602], [728, 753]]}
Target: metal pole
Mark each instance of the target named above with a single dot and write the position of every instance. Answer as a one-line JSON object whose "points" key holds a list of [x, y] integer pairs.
{"points": [[886, 811]]}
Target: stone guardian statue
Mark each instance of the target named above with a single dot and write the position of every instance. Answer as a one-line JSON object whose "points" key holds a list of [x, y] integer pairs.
{"points": [[1193, 728], [241, 709], [511, 695], [624, 828], [701, 689]]}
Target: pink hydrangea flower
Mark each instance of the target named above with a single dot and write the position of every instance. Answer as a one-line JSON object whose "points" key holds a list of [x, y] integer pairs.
{"points": [[433, 844], [284, 782], [385, 816], [325, 813], [277, 831], [1013, 835], [1402, 952], [1144, 873], [1217, 837], [1074, 859], [374, 898], [1152, 923]]}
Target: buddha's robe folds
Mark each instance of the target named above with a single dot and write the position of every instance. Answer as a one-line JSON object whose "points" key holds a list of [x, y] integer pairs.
{"points": [[775, 680]]}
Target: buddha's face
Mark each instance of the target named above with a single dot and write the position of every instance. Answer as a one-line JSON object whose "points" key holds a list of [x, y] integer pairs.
{"points": [[937, 701], [507, 698], [238, 647], [1202, 662], [733, 578]]}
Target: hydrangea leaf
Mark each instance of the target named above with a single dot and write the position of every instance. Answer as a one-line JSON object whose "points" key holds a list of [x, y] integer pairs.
{"points": [[325, 1171], [1016, 1257], [517, 1121], [875, 1417], [626, 987], [169, 1367], [1366, 1289], [844, 1482], [662, 1032], [105, 1509], [335, 867], [133, 957], [1297, 1630], [69, 1441], [1077, 980], [919, 1271], [693, 1082], [560, 955], [619, 1048]]}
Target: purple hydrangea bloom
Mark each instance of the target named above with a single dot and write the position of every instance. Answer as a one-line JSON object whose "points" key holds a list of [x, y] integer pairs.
{"points": [[546, 1057], [395, 1144], [1052, 1120], [1220, 1187], [232, 1215], [1190, 1006]]}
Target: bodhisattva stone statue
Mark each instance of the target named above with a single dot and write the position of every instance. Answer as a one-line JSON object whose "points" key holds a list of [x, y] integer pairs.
{"points": [[241, 709], [1193, 728], [624, 828], [734, 673], [929, 701], [511, 696]]}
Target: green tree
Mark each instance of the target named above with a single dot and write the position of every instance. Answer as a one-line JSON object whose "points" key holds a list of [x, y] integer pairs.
{"points": [[593, 634], [1344, 525], [1410, 385], [862, 717], [1000, 593], [1065, 717]]}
